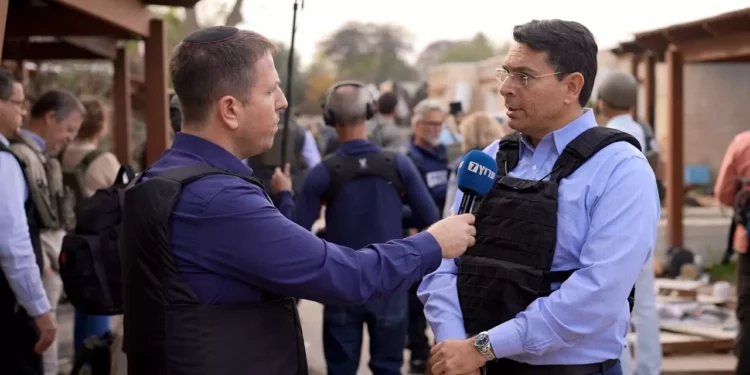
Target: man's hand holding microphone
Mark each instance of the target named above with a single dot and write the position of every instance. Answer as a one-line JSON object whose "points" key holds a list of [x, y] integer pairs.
{"points": [[454, 234], [476, 176]]}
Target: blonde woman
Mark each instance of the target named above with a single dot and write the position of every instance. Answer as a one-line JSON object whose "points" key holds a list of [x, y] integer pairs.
{"points": [[478, 131]]}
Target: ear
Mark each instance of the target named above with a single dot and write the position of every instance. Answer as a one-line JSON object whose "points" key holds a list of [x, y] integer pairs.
{"points": [[573, 85], [229, 110], [49, 117]]}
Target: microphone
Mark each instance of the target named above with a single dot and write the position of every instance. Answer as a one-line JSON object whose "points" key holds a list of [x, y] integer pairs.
{"points": [[476, 175]]}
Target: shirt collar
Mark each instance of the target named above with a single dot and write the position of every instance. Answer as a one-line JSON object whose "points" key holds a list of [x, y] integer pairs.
{"points": [[36, 138], [561, 137], [4, 140], [212, 153], [624, 118]]}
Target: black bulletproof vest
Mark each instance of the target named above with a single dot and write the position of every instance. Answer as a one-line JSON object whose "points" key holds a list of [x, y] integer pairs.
{"points": [[509, 266], [167, 330], [8, 301], [345, 168]]}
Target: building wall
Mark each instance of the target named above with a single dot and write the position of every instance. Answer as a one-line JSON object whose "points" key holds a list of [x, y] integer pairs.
{"points": [[715, 104], [473, 83]]}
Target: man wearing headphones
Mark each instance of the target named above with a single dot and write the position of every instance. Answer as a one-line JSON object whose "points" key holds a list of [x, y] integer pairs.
{"points": [[363, 188]]}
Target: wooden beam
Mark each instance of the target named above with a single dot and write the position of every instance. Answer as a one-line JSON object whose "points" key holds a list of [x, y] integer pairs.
{"points": [[123, 110], [3, 20], [58, 21], [728, 47], [104, 47], [53, 50], [172, 3], [129, 15], [675, 157], [157, 105]]}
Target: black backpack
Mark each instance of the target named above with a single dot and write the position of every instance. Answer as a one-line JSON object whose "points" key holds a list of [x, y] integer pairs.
{"points": [[90, 259], [343, 169]]}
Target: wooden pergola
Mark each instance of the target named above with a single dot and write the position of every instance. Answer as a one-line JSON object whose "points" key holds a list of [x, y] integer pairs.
{"points": [[723, 38], [93, 29]]}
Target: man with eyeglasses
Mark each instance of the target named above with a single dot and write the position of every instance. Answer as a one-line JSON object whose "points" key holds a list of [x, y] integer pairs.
{"points": [[54, 121], [562, 235], [430, 157], [27, 322]]}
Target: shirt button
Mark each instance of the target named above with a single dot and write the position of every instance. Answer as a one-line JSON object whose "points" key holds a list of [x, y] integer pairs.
{"points": [[533, 168]]}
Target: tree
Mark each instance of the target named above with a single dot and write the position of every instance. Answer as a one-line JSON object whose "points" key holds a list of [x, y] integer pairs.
{"points": [[369, 52], [476, 49], [228, 13], [432, 54]]}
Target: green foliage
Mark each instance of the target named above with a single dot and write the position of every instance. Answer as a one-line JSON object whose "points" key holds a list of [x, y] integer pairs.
{"points": [[723, 272], [476, 49], [369, 52]]}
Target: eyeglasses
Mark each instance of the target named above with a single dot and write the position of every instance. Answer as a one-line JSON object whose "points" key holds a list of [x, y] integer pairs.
{"points": [[19, 103], [518, 78]]}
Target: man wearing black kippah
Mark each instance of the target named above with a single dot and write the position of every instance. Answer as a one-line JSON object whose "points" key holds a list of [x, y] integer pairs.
{"points": [[209, 264]]}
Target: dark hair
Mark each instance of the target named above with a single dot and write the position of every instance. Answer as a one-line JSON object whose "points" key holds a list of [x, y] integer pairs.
{"points": [[204, 71], [570, 48], [6, 84], [62, 102], [93, 122], [387, 103]]}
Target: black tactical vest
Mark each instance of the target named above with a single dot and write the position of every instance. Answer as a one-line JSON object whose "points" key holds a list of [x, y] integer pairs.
{"points": [[7, 297], [167, 330], [510, 265]]}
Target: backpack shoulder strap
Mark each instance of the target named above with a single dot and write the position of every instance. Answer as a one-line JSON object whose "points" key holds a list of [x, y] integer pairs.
{"points": [[343, 169], [4, 148], [189, 173], [508, 153], [586, 145], [89, 158]]}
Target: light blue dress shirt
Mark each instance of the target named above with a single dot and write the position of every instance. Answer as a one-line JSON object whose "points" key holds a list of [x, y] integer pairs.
{"points": [[310, 151], [607, 224], [17, 257]]}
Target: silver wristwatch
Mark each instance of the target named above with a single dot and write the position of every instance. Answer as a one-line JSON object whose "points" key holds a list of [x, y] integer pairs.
{"points": [[482, 344]]}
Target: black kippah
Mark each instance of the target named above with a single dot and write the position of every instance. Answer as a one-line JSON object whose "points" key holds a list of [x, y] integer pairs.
{"points": [[214, 34]]}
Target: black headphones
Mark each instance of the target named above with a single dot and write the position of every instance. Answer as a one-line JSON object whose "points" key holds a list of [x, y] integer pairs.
{"points": [[330, 118]]}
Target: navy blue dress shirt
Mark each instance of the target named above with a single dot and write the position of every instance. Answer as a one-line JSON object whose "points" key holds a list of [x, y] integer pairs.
{"points": [[230, 243], [366, 210]]}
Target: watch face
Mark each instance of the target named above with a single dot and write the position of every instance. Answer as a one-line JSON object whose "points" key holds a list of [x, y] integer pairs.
{"points": [[482, 340]]}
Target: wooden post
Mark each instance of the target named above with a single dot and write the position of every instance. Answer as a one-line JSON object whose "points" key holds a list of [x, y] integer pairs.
{"points": [[157, 104], [123, 109], [650, 83], [3, 19], [635, 60], [675, 157]]}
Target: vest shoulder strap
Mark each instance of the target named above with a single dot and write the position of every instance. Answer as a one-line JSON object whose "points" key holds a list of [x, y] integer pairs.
{"points": [[586, 145], [189, 173], [417, 159], [343, 169], [508, 153]]}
